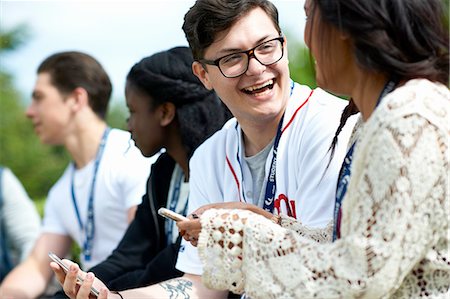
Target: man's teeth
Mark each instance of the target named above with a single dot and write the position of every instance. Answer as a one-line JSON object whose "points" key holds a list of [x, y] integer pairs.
{"points": [[256, 87]]}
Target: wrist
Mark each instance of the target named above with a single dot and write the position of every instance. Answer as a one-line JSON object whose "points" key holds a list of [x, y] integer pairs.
{"points": [[259, 211], [276, 219]]}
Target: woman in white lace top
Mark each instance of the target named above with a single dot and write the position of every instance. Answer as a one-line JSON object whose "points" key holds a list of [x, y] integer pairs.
{"points": [[392, 229]]}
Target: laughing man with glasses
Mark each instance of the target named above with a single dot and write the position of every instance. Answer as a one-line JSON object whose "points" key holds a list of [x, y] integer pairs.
{"points": [[272, 158]]}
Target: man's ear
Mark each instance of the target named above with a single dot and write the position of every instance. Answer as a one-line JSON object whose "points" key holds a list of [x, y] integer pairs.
{"points": [[202, 74], [167, 112], [285, 48], [78, 99]]}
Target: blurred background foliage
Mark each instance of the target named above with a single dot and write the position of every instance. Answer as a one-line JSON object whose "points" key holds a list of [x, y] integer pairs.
{"points": [[38, 166]]}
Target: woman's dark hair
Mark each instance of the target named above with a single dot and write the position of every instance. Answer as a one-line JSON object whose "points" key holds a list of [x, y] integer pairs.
{"points": [[70, 70], [403, 39], [167, 77], [207, 18]]}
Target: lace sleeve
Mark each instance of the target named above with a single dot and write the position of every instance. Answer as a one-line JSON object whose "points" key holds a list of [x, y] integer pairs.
{"points": [[395, 217], [321, 235]]}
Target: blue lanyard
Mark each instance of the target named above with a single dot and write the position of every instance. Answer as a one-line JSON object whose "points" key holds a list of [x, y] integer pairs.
{"points": [[89, 229], [271, 186], [173, 205], [345, 173]]}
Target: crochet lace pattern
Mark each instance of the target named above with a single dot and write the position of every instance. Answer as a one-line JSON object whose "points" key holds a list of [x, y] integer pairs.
{"points": [[395, 218]]}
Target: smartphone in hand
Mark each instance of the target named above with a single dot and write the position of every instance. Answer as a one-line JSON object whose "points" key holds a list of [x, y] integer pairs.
{"points": [[80, 280], [171, 215]]}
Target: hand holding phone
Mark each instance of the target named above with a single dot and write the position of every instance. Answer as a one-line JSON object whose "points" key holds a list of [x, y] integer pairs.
{"points": [[80, 280], [171, 215]]}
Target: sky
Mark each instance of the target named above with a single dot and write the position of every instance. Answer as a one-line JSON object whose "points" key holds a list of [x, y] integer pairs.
{"points": [[117, 33]]}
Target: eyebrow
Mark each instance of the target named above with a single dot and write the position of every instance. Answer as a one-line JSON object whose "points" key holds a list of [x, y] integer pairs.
{"points": [[234, 50]]}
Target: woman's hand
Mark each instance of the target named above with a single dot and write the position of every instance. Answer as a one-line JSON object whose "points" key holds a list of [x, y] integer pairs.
{"points": [[190, 229], [68, 280]]}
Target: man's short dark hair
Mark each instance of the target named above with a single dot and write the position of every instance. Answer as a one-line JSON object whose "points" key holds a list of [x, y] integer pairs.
{"points": [[207, 18], [70, 70]]}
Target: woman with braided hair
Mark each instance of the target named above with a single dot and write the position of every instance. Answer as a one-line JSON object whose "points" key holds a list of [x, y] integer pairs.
{"points": [[169, 109]]}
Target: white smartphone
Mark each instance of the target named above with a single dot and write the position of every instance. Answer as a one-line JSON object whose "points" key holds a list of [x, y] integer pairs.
{"points": [[171, 215], [80, 280]]}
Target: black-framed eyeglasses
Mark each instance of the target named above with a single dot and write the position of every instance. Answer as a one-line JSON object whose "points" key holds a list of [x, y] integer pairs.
{"points": [[235, 64]]}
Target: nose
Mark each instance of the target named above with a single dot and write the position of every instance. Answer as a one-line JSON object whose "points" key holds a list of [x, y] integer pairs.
{"points": [[254, 66], [128, 121], [29, 112]]}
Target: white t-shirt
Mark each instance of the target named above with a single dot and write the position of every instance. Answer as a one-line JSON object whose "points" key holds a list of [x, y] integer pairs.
{"points": [[19, 216], [120, 184], [302, 181]]}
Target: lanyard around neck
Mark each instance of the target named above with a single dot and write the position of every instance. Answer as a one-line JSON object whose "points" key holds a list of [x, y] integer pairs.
{"points": [[271, 185], [344, 174], [89, 228], [173, 205]]}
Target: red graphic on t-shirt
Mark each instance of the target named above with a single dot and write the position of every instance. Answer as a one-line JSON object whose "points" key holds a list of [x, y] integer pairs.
{"points": [[289, 204]]}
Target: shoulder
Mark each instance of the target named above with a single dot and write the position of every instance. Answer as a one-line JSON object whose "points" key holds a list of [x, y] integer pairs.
{"points": [[6, 176], [215, 146], [64, 178], [62, 186], [315, 97], [164, 161], [10, 186], [427, 100], [314, 112], [119, 138], [324, 103], [314, 103], [163, 167], [121, 147]]}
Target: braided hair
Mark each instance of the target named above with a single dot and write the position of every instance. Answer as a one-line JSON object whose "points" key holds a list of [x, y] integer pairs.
{"points": [[348, 111], [167, 77]]}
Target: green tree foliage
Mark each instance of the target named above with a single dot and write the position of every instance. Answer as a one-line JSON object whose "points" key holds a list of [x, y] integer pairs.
{"points": [[301, 64], [14, 38], [117, 114]]}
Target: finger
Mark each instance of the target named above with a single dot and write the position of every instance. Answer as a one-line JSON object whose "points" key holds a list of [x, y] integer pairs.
{"points": [[186, 237], [182, 225], [103, 294], [60, 274], [85, 288], [70, 286], [186, 225]]}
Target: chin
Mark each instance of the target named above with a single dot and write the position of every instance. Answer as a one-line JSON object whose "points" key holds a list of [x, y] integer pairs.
{"points": [[147, 153], [320, 80]]}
